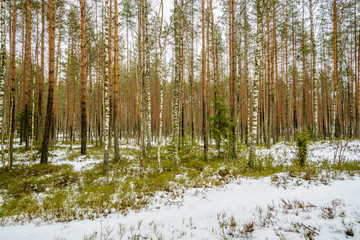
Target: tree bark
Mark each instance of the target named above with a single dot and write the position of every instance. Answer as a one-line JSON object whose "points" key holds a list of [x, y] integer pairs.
{"points": [[116, 85], [106, 86], [45, 143], [83, 78], [203, 74], [2, 77], [255, 85]]}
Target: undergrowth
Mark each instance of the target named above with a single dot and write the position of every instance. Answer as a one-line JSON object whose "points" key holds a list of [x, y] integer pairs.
{"points": [[58, 193]]}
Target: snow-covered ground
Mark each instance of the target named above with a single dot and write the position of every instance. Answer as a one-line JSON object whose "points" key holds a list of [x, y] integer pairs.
{"points": [[250, 208], [283, 152], [246, 208]]}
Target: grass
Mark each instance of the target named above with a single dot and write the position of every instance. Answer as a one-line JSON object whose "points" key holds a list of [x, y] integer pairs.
{"points": [[58, 193]]}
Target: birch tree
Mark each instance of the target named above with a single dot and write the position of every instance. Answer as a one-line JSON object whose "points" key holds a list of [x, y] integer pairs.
{"points": [[106, 123], [2, 76], [255, 85]]}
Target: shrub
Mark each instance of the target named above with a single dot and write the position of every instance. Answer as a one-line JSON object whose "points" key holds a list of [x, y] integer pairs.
{"points": [[302, 139]]}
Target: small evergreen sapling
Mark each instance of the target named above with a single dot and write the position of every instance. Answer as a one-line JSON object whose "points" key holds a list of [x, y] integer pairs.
{"points": [[219, 126], [302, 139]]}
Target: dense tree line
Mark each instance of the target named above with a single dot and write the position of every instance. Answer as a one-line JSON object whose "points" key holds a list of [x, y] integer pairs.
{"points": [[232, 71]]}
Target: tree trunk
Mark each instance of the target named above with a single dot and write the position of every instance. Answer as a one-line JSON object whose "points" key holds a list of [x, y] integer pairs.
{"points": [[335, 95], [255, 85], [116, 85], [313, 73], [27, 73], [232, 59], [295, 117], [45, 143], [203, 72], [177, 80], [42, 74], [2, 77], [83, 79], [12, 87], [106, 86]]}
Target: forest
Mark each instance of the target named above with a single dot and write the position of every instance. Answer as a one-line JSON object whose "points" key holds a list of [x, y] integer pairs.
{"points": [[111, 107]]}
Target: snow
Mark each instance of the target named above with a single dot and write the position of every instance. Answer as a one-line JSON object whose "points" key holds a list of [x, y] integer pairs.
{"points": [[60, 157], [283, 152], [263, 208], [201, 213]]}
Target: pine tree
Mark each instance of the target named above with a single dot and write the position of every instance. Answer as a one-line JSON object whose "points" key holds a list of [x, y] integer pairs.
{"points": [[83, 78], [45, 143]]}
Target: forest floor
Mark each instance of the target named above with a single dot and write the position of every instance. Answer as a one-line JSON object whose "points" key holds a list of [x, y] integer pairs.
{"points": [[71, 198]]}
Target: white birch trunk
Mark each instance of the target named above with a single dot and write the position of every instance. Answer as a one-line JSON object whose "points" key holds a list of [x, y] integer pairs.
{"points": [[161, 47], [176, 85], [106, 87], [2, 77], [255, 83]]}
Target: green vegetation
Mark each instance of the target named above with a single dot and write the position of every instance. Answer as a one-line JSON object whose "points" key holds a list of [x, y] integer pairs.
{"points": [[302, 139], [58, 192]]}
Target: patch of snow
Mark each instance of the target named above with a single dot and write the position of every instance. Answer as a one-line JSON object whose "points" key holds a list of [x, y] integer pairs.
{"points": [[207, 213], [283, 152]]}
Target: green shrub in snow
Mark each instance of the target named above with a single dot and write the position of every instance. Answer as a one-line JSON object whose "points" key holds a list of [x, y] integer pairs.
{"points": [[302, 139]]}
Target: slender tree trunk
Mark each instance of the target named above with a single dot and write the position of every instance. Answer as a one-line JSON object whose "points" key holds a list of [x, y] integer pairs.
{"points": [[203, 74], [27, 74], [33, 90], [161, 48], [2, 77], [139, 77], [148, 82], [277, 119], [54, 112], [287, 100], [106, 86], [42, 74], [305, 115], [12, 87], [313, 73], [177, 80], [232, 59], [255, 86], [269, 73], [192, 74], [83, 78], [358, 87], [295, 117], [335, 95], [45, 143], [116, 84]]}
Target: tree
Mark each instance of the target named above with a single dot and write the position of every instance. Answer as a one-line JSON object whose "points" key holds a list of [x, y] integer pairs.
{"points": [[27, 73], [232, 77], [2, 76], [335, 95], [45, 143], [83, 78], [116, 84], [12, 86], [203, 74], [313, 72], [106, 123], [255, 86], [42, 74]]}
